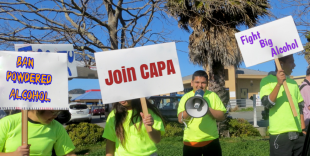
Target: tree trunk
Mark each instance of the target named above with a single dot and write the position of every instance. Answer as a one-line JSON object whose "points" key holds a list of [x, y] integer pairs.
{"points": [[217, 85], [217, 81]]}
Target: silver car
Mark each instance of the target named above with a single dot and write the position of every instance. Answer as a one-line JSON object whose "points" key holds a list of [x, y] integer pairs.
{"points": [[79, 112], [2, 114]]}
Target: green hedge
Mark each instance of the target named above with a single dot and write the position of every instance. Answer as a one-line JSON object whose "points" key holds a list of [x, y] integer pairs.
{"points": [[242, 128], [173, 129], [85, 133]]}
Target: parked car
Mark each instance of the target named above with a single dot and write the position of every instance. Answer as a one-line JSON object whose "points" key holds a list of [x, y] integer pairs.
{"points": [[97, 110], [79, 112], [167, 105], [2, 114]]}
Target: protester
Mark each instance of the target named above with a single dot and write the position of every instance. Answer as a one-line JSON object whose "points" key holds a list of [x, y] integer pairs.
{"points": [[305, 93], [125, 133], [201, 134], [286, 137], [44, 134]]}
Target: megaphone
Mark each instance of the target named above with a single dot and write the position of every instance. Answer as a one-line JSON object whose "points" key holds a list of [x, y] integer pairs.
{"points": [[197, 106]]}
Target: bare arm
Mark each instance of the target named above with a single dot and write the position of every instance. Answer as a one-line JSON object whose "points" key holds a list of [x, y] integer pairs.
{"points": [[217, 114], [21, 151], [185, 116], [110, 148], [155, 135]]}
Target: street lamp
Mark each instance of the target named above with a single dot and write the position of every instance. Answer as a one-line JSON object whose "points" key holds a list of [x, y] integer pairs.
{"points": [[251, 83]]}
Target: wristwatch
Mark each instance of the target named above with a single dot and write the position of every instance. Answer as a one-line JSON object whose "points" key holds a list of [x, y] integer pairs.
{"points": [[304, 130]]}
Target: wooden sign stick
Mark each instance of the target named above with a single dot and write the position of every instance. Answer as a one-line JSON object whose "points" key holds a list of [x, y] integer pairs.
{"points": [[145, 113], [288, 94], [24, 127]]}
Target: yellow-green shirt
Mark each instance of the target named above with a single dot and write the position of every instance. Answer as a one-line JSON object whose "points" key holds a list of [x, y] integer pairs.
{"points": [[204, 128], [281, 119], [137, 143], [42, 138]]}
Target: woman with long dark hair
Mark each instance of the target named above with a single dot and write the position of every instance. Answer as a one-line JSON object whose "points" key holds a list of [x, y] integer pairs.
{"points": [[125, 132]]}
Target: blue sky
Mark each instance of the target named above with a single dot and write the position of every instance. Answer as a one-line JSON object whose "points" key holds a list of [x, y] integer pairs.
{"points": [[187, 68]]}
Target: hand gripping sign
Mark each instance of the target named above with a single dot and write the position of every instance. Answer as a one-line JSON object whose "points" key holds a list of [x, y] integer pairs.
{"points": [[138, 72], [33, 81], [269, 42], [53, 48]]}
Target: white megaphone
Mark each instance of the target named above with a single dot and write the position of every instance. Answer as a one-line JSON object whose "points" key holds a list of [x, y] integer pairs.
{"points": [[197, 106]]}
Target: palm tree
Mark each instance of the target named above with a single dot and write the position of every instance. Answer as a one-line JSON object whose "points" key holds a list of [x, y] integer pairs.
{"points": [[212, 43]]}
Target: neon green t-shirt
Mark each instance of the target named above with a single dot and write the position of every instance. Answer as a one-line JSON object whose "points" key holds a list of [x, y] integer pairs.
{"points": [[281, 119], [137, 143], [204, 128], [42, 138]]}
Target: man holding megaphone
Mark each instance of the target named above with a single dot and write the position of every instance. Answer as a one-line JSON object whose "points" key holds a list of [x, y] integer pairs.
{"points": [[198, 110]]}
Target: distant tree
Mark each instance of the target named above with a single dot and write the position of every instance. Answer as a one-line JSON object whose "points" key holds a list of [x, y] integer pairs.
{"points": [[300, 10], [90, 25]]}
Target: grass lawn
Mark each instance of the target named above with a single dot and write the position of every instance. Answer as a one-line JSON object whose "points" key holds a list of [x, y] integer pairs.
{"points": [[251, 146], [247, 109]]}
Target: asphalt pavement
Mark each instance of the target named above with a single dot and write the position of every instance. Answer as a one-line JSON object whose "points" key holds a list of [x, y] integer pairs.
{"points": [[249, 116]]}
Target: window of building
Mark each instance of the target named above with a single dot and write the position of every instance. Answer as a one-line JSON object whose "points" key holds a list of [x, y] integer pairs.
{"points": [[226, 74]]}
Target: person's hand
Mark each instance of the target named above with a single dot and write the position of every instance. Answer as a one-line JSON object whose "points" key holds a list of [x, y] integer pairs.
{"points": [[22, 150], [304, 132], [148, 120], [281, 76]]}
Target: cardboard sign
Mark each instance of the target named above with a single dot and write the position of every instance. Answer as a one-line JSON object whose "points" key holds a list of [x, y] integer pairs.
{"points": [[269, 41], [53, 48], [138, 72], [33, 81]]}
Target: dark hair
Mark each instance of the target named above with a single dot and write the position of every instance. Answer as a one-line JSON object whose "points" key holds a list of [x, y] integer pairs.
{"points": [[283, 59], [200, 73], [121, 114], [308, 71]]}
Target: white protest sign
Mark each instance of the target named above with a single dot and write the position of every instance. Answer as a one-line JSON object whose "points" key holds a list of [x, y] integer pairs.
{"points": [[33, 81], [269, 41], [138, 72], [53, 48]]}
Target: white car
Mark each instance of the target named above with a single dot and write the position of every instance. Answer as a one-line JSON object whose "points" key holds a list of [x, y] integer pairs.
{"points": [[2, 114], [79, 112]]}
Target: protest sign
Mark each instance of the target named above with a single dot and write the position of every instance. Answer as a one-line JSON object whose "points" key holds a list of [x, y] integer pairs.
{"points": [[53, 48], [138, 72], [33, 81], [269, 41]]}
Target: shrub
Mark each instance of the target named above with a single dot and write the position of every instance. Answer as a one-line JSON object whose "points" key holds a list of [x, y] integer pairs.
{"points": [[173, 129], [84, 133], [242, 128]]}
